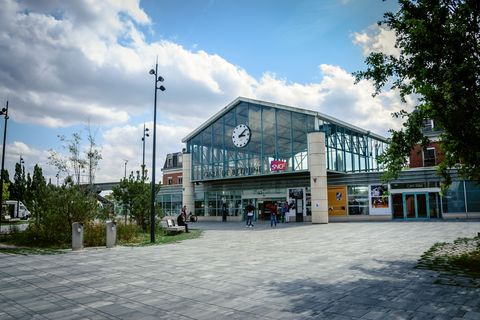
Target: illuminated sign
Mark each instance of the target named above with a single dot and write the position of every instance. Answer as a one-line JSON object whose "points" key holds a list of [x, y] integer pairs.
{"points": [[277, 165]]}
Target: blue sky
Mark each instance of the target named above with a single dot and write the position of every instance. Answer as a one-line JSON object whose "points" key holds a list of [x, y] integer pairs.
{"points": [[290, 38], [65, 63]]}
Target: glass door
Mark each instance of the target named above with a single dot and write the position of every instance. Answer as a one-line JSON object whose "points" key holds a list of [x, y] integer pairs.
{"points": [[422, 206], [409, 206], [416, 205], [434, 203]]}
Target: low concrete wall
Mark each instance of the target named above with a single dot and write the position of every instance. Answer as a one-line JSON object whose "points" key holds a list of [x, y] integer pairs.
{"points": [[360, 218], [219, 218], [461, 216]]}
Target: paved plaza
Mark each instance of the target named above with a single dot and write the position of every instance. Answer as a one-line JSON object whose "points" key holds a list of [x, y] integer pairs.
{"points": [[296, 271]]}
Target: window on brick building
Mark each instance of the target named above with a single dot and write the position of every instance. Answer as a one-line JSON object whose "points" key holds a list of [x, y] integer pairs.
{"points": [[428, 125], [429, 157], [170, 180], [180, 180]]}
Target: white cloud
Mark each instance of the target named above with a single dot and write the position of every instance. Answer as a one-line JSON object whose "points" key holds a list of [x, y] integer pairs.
{"points": [[377, 39], [124, 143], [63, 63]]}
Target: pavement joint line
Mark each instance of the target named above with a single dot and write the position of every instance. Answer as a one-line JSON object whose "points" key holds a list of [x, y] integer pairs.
{"points": [[131, 300]]}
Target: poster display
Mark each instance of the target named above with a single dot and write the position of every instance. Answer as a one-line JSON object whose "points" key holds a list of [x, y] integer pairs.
{"points": [[337, 200], [379, 199]]}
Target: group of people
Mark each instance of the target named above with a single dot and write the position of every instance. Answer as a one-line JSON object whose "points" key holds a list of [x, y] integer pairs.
{"points": [[281, 209], [277, 212]]}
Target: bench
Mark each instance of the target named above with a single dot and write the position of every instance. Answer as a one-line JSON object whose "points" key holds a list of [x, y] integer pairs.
{"points": [[172, 227]]}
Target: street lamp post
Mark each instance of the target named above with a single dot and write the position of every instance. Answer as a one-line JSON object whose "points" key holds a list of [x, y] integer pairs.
{"points": [[21, 161], [3, 112], [145, 134], [125, 175], [152, 209]]}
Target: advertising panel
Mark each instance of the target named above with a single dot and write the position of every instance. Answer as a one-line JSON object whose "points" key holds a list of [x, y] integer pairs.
{"points": [[337, 200], [379, 199]]}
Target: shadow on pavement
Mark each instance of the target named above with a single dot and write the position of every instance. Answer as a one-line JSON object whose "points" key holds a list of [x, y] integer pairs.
{"points": [[402, 293]]}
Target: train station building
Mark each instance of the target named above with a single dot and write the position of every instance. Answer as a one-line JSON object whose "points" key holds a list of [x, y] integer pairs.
{"points": [[324, 168]]}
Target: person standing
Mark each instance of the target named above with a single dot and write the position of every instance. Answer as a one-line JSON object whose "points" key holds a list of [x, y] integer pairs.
{"points": [[224, 212], [284, 211], [249, 209], [273, 215]]}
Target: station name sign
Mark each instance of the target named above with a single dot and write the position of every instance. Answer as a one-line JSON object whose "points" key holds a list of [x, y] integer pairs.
{"points": [[234, 172]]}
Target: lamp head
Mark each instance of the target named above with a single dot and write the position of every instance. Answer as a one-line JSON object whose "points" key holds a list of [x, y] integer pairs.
{"points": [[162, 88], [160, 78], [147, 135], [146, 129], [152, 71]]}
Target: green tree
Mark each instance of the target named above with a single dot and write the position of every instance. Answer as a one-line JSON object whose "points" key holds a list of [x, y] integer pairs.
{"points": [[6, 185], [38, 193], [93, 156], [18, 188], [74, 160], [439, 63], [54, 217], [134, 194]]}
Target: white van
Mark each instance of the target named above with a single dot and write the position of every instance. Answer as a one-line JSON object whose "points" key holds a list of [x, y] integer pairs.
{"points": [[16, 209]]}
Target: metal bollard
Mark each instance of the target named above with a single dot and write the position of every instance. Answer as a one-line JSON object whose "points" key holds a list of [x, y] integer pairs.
{"points": [[77, 236], [111, 233]]}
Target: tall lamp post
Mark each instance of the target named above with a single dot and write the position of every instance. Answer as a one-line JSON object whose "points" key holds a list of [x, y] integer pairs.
{"points": [[125, 175], [3, 112], [145, 134], [21, 161], [152, 209]]}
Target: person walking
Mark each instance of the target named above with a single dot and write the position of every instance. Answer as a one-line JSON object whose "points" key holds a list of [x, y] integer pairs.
{"points": [[249, 209]]}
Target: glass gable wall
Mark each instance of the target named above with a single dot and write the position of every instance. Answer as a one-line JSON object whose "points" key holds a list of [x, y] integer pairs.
{"points": [[276, 135]]}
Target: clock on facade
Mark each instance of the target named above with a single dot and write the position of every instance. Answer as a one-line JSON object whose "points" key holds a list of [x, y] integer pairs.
{"points": [[241, 135]]}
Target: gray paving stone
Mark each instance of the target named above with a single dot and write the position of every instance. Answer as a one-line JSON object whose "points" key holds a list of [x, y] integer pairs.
{"points": [[298, 271]]}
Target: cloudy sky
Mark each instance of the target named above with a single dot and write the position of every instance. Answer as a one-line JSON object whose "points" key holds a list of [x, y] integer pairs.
{"points": [[65, 64]]}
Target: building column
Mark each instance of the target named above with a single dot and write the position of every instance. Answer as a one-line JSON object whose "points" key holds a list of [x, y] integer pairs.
{"points": [[318, 176], [188, 189]]}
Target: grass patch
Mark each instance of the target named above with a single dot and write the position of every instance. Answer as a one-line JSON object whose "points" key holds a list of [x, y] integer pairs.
{"points": [[31, 250], [94, 236], [161, 237], [462, 258], [14, 222]]}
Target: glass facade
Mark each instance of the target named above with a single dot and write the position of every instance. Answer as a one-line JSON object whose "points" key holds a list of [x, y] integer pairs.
{"points": [[351, 151], [454, 198], [170, 204], [277, 137], [473, 196], [358, 200]]}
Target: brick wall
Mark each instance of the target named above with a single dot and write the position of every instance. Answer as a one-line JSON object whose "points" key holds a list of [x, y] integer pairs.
{"points": [[173, 175], [416, 155]]}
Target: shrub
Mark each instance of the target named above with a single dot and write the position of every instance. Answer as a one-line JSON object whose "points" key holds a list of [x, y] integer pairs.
{"points": [[94, 234]]}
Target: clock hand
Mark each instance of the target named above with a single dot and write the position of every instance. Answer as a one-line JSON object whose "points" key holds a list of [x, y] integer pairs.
{"points": [[242, 134]]}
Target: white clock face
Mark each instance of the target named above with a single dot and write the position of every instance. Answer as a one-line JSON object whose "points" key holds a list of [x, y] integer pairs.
{"points": [[241, 135]]}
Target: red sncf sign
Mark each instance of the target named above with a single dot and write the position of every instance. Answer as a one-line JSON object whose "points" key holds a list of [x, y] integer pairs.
{"points": [[277, 165]]}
